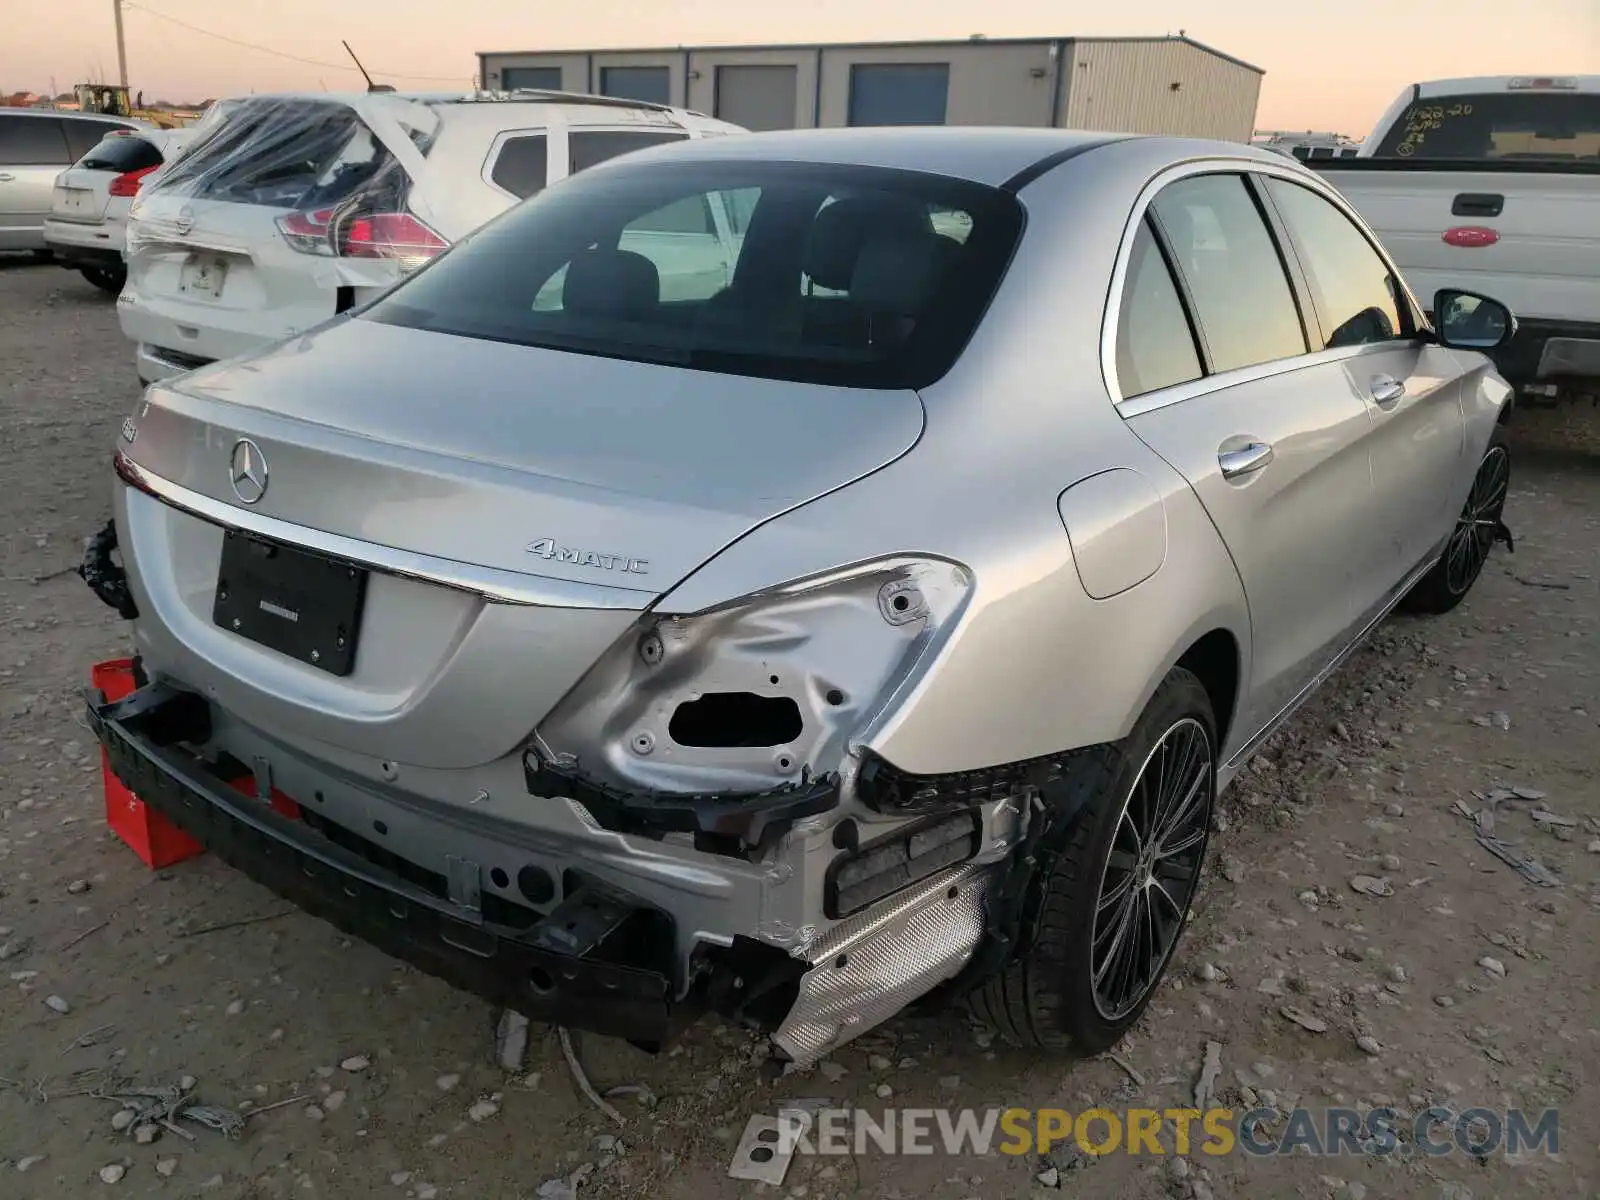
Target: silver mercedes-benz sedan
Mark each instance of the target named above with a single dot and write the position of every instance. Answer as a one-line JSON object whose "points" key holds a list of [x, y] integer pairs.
{"points": [[798, 575]]}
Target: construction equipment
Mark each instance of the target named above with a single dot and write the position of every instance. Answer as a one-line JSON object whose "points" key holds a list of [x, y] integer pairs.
{"points": [[113, 100]]}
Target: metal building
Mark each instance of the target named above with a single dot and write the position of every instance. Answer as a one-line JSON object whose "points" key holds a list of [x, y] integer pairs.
{"points": [[1138, 85]]}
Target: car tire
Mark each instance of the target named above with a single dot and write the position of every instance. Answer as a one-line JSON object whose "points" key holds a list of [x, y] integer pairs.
{"points": [[107, 279], [1061, 991], [1476, 530]]}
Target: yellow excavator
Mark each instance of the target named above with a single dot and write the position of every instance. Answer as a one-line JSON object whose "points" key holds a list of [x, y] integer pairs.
{"points": [[113, 100]]}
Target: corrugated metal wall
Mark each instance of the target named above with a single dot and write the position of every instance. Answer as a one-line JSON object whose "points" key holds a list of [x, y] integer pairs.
{"points": [[1114, 85], [1127, 87]]}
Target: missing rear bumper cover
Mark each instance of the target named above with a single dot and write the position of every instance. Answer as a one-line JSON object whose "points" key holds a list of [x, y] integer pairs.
{"points": [[723, 820], [602, 961], [855, 881]]}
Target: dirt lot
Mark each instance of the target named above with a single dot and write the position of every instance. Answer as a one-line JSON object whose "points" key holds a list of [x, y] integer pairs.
{"points": [[1469, 985]]}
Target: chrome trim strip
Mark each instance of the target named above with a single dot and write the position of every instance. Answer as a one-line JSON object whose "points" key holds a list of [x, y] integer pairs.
{"points": [[1219, 165], [1242, 755], [492, 584]]}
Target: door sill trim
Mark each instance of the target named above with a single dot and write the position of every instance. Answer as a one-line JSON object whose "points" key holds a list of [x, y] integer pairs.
{"points": [[1244, 753]]}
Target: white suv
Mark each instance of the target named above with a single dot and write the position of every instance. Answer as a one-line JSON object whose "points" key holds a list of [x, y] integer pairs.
{"points": [[92, 198], [299, 207]]}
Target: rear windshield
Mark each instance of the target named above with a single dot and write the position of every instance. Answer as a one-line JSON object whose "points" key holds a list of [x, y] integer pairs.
{"points": [[282, 153], [121, 153], [859, 276], [1525, 125]]}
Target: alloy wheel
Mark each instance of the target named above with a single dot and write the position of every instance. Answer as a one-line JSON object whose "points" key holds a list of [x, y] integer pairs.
{"points": [[1475, 531], [1152, 868]]}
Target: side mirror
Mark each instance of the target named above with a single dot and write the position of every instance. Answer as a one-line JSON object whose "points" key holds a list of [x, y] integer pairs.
{"points": [[1468, 321]]}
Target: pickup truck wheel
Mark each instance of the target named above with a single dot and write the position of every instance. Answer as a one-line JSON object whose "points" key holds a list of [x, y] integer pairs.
{"points": [[107, 279], [1475, 533], [1107, 912]]}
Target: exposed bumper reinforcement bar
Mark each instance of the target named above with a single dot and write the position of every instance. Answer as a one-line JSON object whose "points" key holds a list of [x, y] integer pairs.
{"points": [[600, 961]]}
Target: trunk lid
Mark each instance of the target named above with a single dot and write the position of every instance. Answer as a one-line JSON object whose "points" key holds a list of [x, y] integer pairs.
{"points": [[618, 477], [474, 451]]}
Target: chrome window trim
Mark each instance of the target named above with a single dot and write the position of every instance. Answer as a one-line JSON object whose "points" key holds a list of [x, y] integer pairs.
{"points": [[490, 583], [1112, 318]]}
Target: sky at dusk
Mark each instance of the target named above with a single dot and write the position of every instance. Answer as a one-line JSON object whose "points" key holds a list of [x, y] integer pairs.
{"points": [[1330, 65]]}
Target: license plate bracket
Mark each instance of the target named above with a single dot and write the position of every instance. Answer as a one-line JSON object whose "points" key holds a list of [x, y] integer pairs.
{"points": [[303, 605], [202, 276]]}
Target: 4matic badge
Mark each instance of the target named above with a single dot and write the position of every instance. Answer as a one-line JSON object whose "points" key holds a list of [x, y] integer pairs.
{"points": [[549, 548]]}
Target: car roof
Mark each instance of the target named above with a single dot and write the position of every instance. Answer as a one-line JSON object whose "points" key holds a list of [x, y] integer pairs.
{"points": [[70, 115], [996, 156]]}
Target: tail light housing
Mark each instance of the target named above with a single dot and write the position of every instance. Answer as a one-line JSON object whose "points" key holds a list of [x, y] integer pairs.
{"points": [[127, 184], [333, 233]]}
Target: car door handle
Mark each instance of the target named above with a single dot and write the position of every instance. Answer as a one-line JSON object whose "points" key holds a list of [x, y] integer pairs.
{"points": [[6, 177], [1386, 391], [1244, 460]]}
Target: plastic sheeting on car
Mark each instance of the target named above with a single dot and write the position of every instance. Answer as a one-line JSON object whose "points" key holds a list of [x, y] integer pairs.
{"points": [[337, 168]]}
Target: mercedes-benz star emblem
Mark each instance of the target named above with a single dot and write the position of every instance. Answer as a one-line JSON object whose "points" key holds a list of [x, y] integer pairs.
{"points": [[247, 471], [184, 219]]}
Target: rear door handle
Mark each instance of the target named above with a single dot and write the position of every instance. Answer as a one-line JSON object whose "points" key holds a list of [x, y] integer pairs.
{"points": [[1244, 460], [6, 177], [1386, 391]]}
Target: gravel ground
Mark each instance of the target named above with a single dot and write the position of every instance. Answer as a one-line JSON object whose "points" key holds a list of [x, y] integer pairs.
{"points": [[1467, 986]]}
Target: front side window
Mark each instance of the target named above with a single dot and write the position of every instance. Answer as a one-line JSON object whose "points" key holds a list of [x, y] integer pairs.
{"points": [[1228, 260], [1155, 346], [32, 142], [1354, 291], [835, 274]]}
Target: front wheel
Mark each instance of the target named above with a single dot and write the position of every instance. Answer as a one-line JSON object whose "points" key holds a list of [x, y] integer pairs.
{"points": [[1476, 530], [107, 279], [1107, 912]]}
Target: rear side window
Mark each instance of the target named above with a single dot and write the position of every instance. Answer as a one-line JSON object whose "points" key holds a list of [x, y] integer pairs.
{"points": [[1529, 124], [1356, 296], [83, 134], [32, 142], [523, 166], [585, 150], [1231, 266], [284, 154], [816, 272], [1155, 346], [121, 153]]}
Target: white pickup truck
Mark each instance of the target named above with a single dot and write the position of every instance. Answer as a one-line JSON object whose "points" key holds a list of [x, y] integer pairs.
{"points": [[1492, 185]]}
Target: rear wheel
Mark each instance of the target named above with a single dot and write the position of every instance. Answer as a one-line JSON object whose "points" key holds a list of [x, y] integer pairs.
{"points": [[107, 279], [1476, 530], [1109, 909]]}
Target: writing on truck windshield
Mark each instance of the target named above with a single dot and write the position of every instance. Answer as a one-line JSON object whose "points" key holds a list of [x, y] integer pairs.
{"points": [[1498, 125]]}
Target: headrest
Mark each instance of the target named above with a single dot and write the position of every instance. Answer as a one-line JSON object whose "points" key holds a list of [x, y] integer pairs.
{"points": [[611, 283], [840, 230], [895, 274]]}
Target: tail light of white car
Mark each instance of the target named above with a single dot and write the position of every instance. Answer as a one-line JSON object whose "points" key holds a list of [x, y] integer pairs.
{"points": [[128, 183], [337, 233]]}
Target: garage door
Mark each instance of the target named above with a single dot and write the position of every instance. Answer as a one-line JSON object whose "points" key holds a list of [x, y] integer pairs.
{"points": [[757, 97], [650, 84], [545, 79], [898, 93]]}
